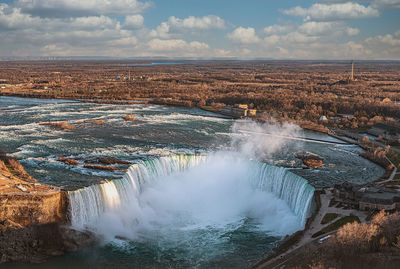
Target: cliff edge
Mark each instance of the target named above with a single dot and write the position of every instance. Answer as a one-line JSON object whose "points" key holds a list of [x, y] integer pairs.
{"points": [[33, 217]]}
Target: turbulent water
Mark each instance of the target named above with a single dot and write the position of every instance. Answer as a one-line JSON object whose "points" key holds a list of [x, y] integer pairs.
{"points": [[89, 204], [191, 198], [190, 205]]}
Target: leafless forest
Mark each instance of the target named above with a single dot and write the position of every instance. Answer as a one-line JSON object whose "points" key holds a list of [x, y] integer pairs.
{"points": [[296, 90]]}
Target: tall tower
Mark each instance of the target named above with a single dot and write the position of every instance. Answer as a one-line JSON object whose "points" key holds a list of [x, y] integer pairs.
{"points": [[352, 70]]}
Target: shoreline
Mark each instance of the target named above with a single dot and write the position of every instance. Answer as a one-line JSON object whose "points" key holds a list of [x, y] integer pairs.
{"points": [[283, 251]]}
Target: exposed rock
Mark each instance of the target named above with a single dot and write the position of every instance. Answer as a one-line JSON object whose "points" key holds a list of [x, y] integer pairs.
{"points": [[130, 117], [9, 224], [311, 160], [313, 163], [68, 161], [106, 160], [59, 124], [100, 167], [31, 217], [99, 122], [12, 167], [110, 160], [34, 208], [36, 243]]}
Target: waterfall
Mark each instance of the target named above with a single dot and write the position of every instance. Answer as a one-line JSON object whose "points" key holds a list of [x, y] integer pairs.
{"points": [[88, 204], [291, 188]]}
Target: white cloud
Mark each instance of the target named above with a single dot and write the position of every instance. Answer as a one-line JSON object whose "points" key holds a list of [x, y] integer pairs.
{"points": [[272, 40], [352, 31], [301, 46], [333, 12], [385, 40], [161, 45], [378, 4], [174, 27], [244, 35], [133, 21], [24, 34], [77, 8], [327, 28], [317, 28], [297, 37], [162, 31], [323, 34], [197, 23], [277, 29], [12, 18], [91, 23], [180, 48], [320, 40]]}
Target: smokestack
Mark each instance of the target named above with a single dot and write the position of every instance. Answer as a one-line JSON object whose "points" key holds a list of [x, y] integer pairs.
{"points": [[352, 70]]}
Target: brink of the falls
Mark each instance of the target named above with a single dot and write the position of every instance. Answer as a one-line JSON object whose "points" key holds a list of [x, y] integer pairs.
{"points": [[186, 191]]}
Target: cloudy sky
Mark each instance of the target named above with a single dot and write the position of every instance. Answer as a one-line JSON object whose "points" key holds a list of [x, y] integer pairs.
{"points": [[280, 29]]}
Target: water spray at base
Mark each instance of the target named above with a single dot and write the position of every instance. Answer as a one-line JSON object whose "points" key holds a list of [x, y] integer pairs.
{"points": [[191, 203], [213, 190]]}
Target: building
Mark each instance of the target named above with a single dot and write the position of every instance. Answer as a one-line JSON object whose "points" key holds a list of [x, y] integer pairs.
{"points": [[369, 198], [379, 201], [251, 112], [323, 119], [234, 111], [346, 116], [238, 111]]}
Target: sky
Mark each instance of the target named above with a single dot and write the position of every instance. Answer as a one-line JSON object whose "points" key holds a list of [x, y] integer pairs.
{"points": [[252, 29]]}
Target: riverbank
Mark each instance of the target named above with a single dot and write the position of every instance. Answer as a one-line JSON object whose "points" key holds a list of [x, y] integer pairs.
{"points": [[306, 240], [33, 217]]}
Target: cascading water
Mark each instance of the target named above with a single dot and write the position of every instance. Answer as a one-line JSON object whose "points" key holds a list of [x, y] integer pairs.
{"points": [[194, 211], [89, 204]]}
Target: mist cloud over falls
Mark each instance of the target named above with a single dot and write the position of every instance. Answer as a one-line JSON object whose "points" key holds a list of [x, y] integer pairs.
{"points": [[261, 140], [194, 204], [217, 193]]}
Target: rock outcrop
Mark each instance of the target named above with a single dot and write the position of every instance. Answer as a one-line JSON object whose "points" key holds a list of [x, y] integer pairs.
{"points": [[130, 117], [68, 161], [33, 217], [311, 160], [28, 208], [36, 243]]}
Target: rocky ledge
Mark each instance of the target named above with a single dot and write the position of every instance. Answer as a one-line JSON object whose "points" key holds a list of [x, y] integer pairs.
{"points": [[33, 217]]}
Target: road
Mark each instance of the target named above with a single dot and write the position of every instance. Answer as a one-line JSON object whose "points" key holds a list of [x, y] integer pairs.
{"points": [[307, 242]]}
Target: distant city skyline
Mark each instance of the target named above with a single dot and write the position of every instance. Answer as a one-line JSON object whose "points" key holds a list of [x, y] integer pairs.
{"points": [[287, 29]]}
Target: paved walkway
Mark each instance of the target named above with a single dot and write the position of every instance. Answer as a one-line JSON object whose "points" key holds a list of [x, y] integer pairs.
{"points": [[307, 240]]}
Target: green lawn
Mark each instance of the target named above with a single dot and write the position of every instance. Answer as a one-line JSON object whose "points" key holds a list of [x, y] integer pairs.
{"points": [[336, 225], [329, 217]]}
